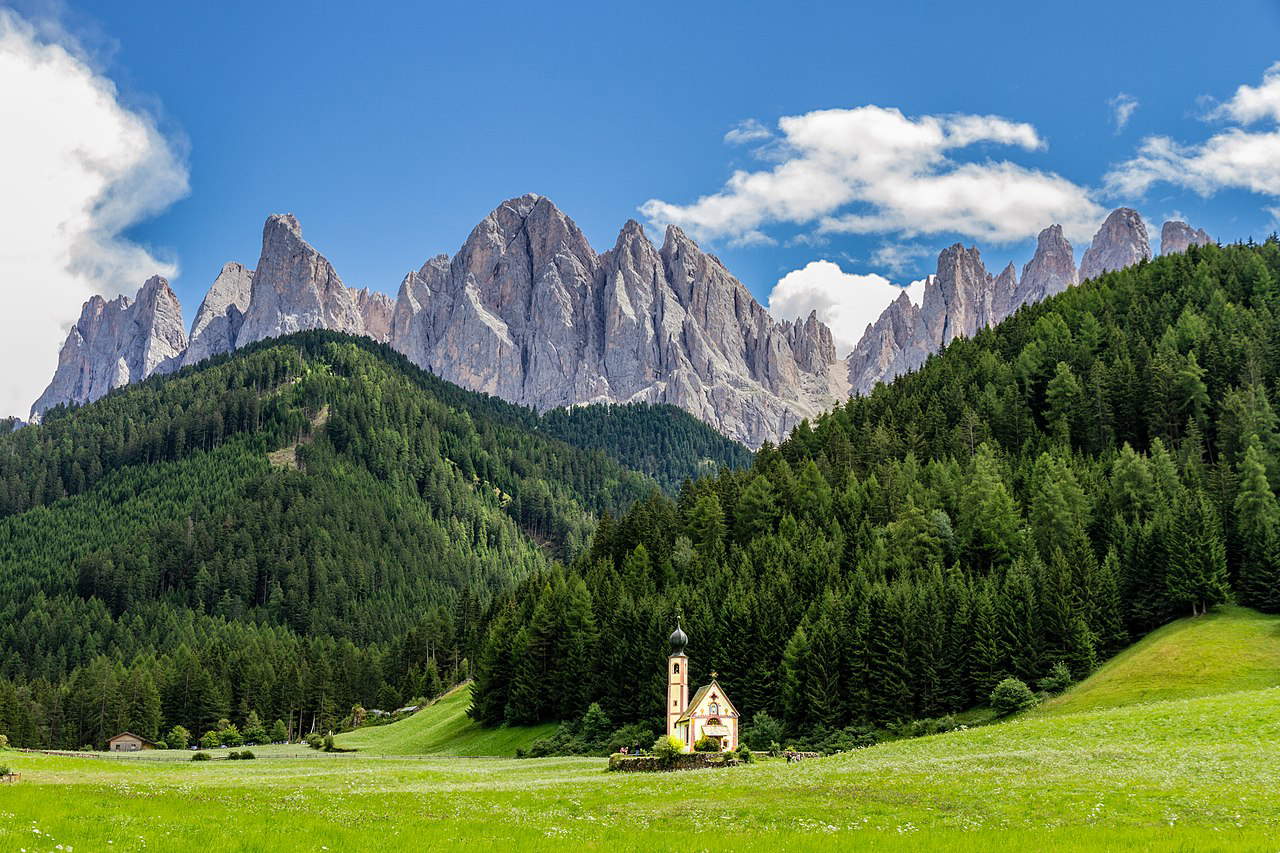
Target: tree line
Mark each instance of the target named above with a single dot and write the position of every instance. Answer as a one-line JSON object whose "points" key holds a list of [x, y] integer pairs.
{"points": [[1040, 494]]}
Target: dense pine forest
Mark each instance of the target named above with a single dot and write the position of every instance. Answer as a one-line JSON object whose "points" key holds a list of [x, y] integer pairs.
{"points": [[283, 533], [1043, 493]]}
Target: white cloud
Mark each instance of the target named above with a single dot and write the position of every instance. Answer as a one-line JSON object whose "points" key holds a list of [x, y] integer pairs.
{"points": [[897, 257], [846, 302], [78, 167], [747, 130], [1254, 103], [1122, 109], [872, 169], [1234, 158]]}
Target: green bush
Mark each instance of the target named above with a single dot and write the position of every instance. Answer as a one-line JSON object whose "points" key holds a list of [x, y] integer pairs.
{"points": [[4, 741], [1011, 696], [229, 735], [328, 742], [631, 736], [314, 741], [201, 756], [161, 745], [706, 743], [247, 755], [279, 733], [764, 730], [179, 737], [211, 740], [4, 770], [594, 729], [745, 755], [667, 748], [1058, 679]]}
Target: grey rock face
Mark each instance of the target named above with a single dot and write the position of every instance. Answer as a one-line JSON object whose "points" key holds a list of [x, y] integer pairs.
{"points": [[295, 288], [1178, 236], [217, 324], [957, 302], [1119, 243], [375, 312], [891, 346], [115, 343], [528, 311], [1004, 292], [1050, 271]]}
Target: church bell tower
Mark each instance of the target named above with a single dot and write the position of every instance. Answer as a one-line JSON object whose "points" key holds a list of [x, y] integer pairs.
{"points": [[677, 679]]}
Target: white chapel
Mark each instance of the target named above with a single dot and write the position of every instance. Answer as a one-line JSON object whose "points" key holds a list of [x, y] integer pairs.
{"points": [[708, 714]]}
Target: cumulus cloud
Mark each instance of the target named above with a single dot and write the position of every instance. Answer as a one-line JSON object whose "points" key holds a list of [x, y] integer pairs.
{"points": [[1254, 103], [1234, 158], [78, 167], [1122, 109], [846, 302], [872, 169]]}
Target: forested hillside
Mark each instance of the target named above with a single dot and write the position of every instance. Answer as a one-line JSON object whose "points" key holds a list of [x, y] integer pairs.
{"points": [[1045, 492], [667, 443], [310, 523]]}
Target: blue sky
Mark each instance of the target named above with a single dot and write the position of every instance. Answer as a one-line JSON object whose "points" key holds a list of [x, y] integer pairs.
{"points": [[391, 129]]}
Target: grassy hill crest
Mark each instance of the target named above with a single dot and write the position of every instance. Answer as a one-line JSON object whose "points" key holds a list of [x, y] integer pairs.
{"points": [[1227, 650], [443, 728]]}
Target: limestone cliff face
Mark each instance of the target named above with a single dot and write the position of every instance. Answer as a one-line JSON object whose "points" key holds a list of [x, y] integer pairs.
{"points": [[1178, 236], [890, 347], [217, 324], [375, 312], [115, 343], [1050, 271], [295, 288], [528, 311], [1119, 243]]}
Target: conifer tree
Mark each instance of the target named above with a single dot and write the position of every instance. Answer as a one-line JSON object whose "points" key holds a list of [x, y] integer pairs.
{"points": [[1258, 526], [1197, 576]]}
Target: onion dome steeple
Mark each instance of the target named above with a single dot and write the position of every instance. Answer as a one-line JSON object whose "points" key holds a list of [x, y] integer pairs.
{"points": [[679, 639]]}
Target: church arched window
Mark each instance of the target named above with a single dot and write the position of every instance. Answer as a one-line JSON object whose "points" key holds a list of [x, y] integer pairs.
{"points": [[677, 669], [714, 709]]}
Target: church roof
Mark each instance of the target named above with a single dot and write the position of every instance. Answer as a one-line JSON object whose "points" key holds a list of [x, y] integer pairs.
{"points": [[700, 695]]}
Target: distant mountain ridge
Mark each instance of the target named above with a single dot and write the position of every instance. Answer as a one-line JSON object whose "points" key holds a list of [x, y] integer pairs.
{"points": [[528, 311], [963, 297]]}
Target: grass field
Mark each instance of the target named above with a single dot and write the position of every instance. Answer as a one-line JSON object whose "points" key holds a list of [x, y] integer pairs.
{"points": [[1194, 773], [443, 728], [1229, 649]]}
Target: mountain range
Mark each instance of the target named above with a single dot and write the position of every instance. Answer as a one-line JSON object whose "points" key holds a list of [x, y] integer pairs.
{"points": [[528, 311]]}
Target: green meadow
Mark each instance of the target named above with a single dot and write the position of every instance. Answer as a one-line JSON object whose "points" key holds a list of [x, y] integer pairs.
{"points": [[1097, 768]]}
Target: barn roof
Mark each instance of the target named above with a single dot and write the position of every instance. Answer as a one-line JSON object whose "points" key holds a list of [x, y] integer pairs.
{"points": [[132, 735]]}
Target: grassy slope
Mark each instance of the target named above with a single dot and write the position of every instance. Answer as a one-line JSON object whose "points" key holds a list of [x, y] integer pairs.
{"points": [[443, 728], [1194, 773], [1189, 774], [1230, 649]]}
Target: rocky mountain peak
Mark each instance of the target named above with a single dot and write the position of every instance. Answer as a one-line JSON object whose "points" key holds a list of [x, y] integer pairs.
{"points": [[1120, 242], [117, 342], [376, 311], [295, 288], [221, 314], [1051, 270], [1176, 236], [958, 299]]}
